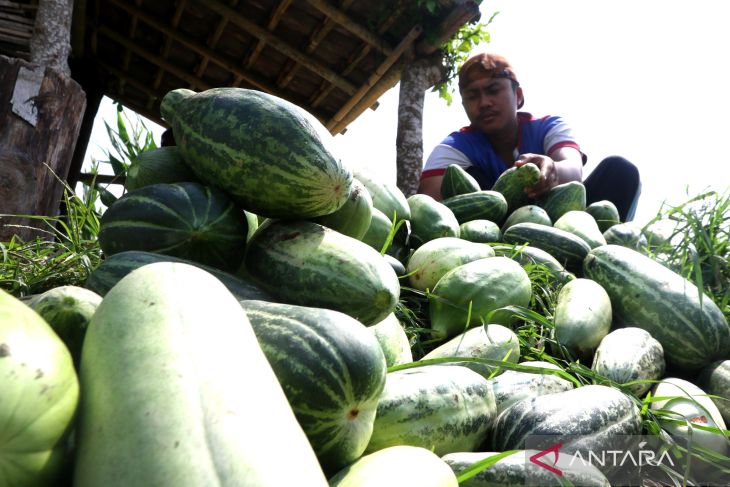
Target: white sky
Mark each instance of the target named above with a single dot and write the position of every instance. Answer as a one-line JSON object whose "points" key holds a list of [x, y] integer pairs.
{"points": [[645, 79]]}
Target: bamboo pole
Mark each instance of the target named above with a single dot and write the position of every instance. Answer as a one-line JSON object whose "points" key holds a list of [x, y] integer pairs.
{"points": [[336, 124]]}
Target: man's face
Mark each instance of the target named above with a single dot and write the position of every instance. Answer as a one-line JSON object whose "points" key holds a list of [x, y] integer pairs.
{"points": [[491, 104]]}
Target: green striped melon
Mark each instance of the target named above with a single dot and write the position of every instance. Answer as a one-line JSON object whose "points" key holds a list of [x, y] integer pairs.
{"points": [[582, 316], [479, 205], [563, 198], [596, 411], [430, 219], [480, 231], [630, 354], [516, 469], [114, 267], [685, 405], [567, 248], [466, 295], [627, 234], [512, 183], [177, 392], [528, 256], [397, 465], [68, 309], [263, 151], [512, 386], [490, 342], [527, 213], [393, 340], [605, 213], [457, 181], [186, 220], [378, 230], [646, 294], [160, 165], [353, 218], [39, 394], [301, 262], [441, 408], [332, 371], [582, 224], [715, 379], [433, 259], [387, 197]]}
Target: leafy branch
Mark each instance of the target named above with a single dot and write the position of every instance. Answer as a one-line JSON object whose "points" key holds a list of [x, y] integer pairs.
{"points": [[457, 50]]}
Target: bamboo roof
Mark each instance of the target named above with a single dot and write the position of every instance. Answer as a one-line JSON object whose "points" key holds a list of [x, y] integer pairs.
{"points": [[332, 57]]}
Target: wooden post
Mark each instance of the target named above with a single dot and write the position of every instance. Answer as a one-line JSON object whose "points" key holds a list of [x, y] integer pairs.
{"points": [[40, 116]]}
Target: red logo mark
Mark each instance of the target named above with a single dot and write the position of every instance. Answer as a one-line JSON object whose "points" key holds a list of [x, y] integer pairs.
{"points": [[554, 449]]}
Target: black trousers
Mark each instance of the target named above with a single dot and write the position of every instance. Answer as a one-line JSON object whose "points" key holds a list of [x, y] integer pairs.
{"points": [[617, 180]]}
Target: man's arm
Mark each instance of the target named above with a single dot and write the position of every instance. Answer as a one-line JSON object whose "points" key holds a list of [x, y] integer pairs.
{"points": [[561, 166], [431, 185]]}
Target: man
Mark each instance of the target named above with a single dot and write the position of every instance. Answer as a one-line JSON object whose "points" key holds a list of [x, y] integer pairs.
{"points": [[500, 136]]}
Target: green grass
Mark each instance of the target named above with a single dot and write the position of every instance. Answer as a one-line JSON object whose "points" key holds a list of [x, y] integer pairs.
{"points": [[693, 239], [67, 249], [64, 254]]}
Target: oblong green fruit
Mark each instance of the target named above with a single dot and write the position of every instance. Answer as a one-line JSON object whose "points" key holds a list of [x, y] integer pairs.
{"points": [[605, 213], [517, 469], [626, 234], [393, 340], [457, 181], [582, 224], [491, 342], [332, 371], [301, 262], [433, 259], [166, 367], [527, 213], [38, 397], [564, 198], [512, 183], [397, 465], [684, 401], [567, 248], [715, 380], [260, 149], [582, 316], [442, 408], [480, 231], [378, 230], [472, 291], [430, 219], [513, 386], [160, 165], [68, 309], [114, 267], [528, 256], [353, 218], [186, 220], [604, 413], [479, 205], [691, 328], [387, 197], [630, 354]]}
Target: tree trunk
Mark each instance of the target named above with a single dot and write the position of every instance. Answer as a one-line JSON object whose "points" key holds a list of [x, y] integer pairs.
{"points": [[51, 41], [416, 78], [41, 109]]}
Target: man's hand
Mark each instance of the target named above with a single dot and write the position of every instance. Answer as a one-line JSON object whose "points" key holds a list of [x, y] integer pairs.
{"points": [[548, 174]]}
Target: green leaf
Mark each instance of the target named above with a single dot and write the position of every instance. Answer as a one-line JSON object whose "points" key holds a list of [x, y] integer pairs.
{"points": [[483, 464], [107, 197]]}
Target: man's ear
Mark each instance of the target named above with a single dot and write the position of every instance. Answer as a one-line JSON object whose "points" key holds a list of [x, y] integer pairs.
{"points": [[520, 97]]}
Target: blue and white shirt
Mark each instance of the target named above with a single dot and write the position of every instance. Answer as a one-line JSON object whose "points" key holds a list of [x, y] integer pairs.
{"points": [[471, 149]]}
